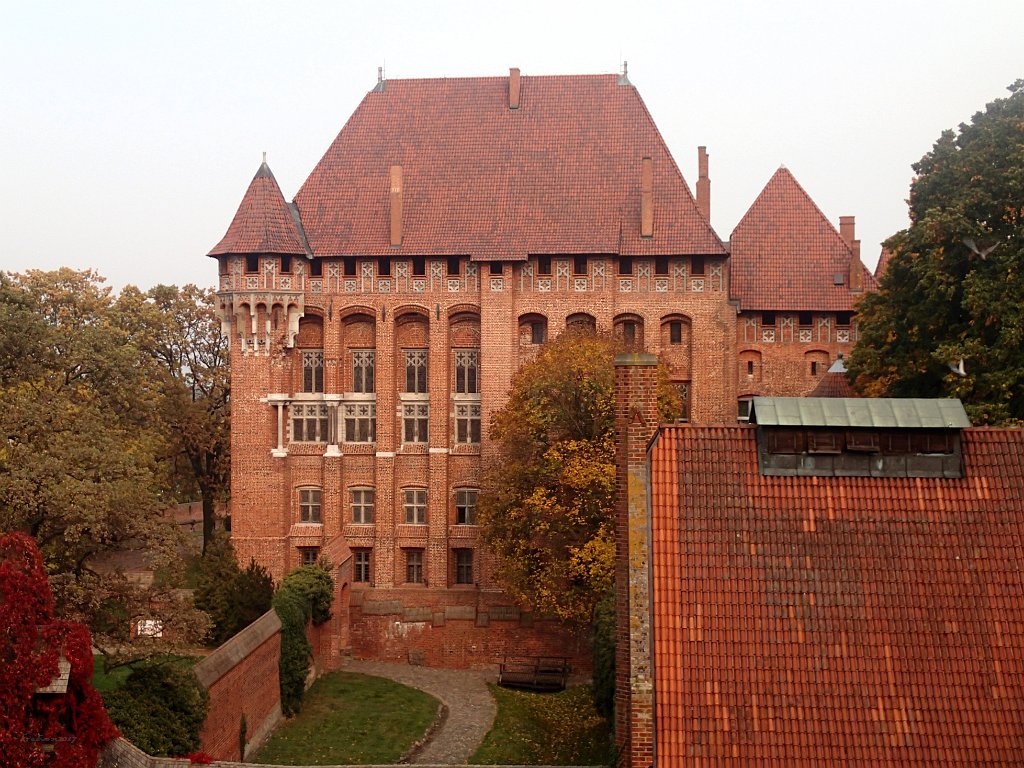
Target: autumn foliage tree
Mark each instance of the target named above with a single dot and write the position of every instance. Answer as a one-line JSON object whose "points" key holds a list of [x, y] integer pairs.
{"points": [[954, 287], [547, 509], [57, 729]]}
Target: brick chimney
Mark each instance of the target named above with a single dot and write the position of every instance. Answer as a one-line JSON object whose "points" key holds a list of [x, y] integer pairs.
{"points": [[513, 88], [636, 419], [847, 230], [647, 198], [703, 183], [396, 206]]}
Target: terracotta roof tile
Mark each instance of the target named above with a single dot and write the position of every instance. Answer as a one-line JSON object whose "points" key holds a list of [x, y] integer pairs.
{"points": [[815, 621], [786, 253], [263, 222], [560, 174]]}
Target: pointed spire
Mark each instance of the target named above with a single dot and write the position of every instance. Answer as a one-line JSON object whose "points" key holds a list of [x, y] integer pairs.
{"points": [[263, 222]]}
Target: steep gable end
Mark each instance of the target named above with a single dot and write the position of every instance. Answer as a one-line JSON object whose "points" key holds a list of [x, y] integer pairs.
{"points": [[263, 222]]}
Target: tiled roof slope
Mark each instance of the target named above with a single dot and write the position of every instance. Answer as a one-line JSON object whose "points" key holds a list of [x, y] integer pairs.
{"points": [[263, 222], [560, 174], [833, 384], [883, 262], [826, 621], [785, 254]]}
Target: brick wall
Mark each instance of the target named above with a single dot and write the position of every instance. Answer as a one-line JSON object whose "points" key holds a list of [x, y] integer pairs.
{"points": [[635, 423]]}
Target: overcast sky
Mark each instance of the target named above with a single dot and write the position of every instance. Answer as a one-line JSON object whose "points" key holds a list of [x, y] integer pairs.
{"points": [[130, 130]]}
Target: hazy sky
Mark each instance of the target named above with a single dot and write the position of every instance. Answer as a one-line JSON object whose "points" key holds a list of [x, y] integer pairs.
{"points": [[130, 130]]}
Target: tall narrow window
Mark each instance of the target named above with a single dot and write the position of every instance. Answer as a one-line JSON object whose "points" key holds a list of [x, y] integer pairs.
{"points": [[349, 263], [360, 422], [419, 266], [316, 268], [661, 265], [362, 371], [538, 332], [313, 370], [414, 566], [467, 423], [416, 370], [675, 332], [384, 267], [697, 265], [414, 422], [579, 265], [286, 264], [543, 265], [465, 506], [625, 265], [466, 362], [309, 422], [463, 566], [361, 565], [629, 332], [363, 500], [309, 505], [453, 266], [416, 506], [252, 263]]}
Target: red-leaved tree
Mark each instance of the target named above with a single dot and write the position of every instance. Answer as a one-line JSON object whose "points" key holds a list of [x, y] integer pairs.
{"points": [[57, 730]]}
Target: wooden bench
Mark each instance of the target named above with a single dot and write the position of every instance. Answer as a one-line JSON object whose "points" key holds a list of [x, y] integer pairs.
{"points": [[534, 673]]}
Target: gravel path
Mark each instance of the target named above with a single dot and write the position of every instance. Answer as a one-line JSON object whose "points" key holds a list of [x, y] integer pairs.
{"points": [[471, 707]]}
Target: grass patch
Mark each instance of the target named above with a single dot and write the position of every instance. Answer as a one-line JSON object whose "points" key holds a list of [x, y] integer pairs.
{"points": [[350, 719], [105, 682], [545, 729]]}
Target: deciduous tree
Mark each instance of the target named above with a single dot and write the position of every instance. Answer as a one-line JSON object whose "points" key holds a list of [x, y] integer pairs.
{"points": [[953, 290]]}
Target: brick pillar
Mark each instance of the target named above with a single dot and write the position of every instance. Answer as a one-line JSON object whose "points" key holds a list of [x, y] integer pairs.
{"points": [[636, 419]]}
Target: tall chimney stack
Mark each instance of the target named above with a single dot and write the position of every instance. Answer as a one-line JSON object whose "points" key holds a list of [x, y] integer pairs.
{"points": [[856, 270], [513, 88], [647, 198], [703, 184], [846, 229], [396, 205]]}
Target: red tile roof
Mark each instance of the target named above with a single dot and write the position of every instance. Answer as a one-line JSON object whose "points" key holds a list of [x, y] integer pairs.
{"points": [[560, 174], [263, 222], [823, 621], [786, 253]]}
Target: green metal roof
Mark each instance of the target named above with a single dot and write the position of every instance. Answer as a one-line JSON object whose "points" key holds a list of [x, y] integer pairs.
{"points": [[889, 412]]}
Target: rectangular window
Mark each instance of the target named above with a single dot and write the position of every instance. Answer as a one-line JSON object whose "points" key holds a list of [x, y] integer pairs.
{"points": [[538, 332], [360, 422], [419, 266], [806, 319], [309, 422], [543, 265], [467, 423], [814, 368], [750, 367], [313, 371], [625, 265], [843, 319], [416, 506], [252, 263], [286, 264], [661, 265], [743, 410], [463, 566], [465, 506], [309, 555], [384, 267], [350, 266], [363, 362], [361, 565], [414, 566], [309, 505], [414, 422], [768, 318], [362, 505], [466, 367], [629, 332], [453, 266], [696, 265], [579, 265], [496, 268], [316, 268], [416, 370], [675, 332]]}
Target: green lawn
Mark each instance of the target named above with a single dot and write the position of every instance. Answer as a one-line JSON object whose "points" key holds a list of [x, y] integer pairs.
{"points": [[546, 728], [351, 719]]}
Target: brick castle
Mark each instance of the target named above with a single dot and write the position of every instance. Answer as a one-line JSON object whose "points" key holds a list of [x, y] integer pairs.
{"points": [[450, 229]]}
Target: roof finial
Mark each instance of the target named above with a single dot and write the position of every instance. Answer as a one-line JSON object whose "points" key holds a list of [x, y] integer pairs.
{"points": [[264, 158], [624, 77], [380, 74]]}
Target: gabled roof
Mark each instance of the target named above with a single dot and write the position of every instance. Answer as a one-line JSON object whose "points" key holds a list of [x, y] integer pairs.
{"points": [[824, 621], [560, 174], [786, 254], [263, 223]]}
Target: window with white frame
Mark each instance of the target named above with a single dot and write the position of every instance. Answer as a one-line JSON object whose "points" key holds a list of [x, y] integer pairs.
{"points": [[313, 370], [309, 505], [363, 362], [360, 422], [416, 506], [414, 566], [416, 370], [465, 506], [414, 422], [467, 423], [363, 500], [467, 363], [308, 422]]}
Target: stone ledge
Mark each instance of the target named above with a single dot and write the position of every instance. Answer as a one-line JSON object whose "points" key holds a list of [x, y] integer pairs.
{"points": [[228, 656]]}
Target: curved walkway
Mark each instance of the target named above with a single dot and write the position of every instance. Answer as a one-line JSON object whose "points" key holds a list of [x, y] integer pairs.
{"points": [[471, 707]]}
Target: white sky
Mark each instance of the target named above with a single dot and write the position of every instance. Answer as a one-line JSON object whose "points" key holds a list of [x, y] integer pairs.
{"points": [[130, 130]]}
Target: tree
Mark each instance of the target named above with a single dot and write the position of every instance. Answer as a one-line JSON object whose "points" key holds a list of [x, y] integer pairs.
{"points": [[233, 598], [64, 729], [81, 450], [953, 289], [547, 508]]}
